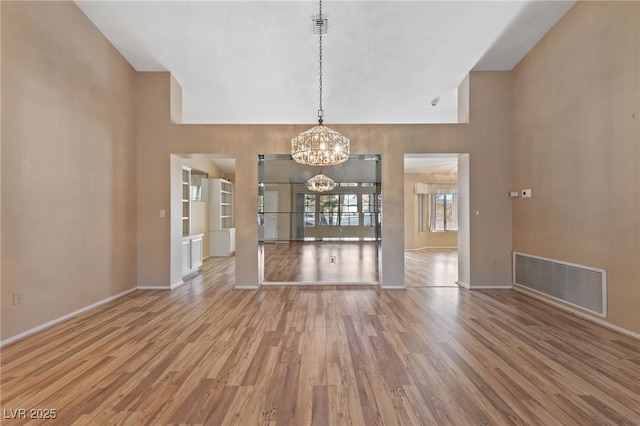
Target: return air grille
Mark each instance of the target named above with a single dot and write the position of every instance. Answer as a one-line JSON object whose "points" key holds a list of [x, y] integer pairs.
{"points": [[578, 285]]}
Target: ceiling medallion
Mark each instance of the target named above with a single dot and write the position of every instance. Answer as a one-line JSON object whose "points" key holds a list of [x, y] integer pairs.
{"points": [[320, 183], [320, 145]]}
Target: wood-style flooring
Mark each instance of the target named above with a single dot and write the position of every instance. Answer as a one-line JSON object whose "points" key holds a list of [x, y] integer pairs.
{"points": [[355, 262], [323, 355], [311, 261], [431, 267]]}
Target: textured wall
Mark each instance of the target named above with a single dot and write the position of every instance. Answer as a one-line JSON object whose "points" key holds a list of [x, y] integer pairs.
{"points": [[576, 140], [487, 139], [68, 164]]}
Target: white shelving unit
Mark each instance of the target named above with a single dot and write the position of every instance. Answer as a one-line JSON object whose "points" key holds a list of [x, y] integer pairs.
{"points": [[222, 232], [191, 254], [186, 201], [191, 244]]}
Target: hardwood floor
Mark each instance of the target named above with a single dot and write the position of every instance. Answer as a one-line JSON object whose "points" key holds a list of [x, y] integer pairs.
{"points": [[431, 267], [310, 261], [207, 354], [356, 262]]}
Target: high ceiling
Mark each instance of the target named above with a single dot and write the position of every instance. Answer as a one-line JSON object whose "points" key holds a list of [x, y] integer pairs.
{"points": [[250, 62]]}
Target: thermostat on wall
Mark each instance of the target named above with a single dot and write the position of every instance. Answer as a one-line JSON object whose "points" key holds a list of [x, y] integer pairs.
{"points": [[526, 193]]}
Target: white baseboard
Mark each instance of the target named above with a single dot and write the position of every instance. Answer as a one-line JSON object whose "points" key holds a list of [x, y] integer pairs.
{"points": [[463, 284], [577, 312], [492, 287], [176, 285], [484, 287], [246, 287], [393, 287], [161, 287], [64, 318]]}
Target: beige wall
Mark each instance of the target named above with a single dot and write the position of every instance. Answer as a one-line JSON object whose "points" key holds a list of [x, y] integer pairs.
{"points": [[412, 238], [68, 164], [80, 126], [487, 140], [577, 146]]}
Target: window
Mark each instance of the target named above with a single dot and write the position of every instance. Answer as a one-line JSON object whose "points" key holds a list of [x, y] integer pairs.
{"points": [[443, 212], [370, 209], [349, 215], [329, 206], [309, 210], [342, 210]]}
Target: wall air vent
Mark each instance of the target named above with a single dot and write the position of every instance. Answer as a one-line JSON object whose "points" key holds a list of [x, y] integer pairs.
{"points": [[319, 25], [577, 285]]}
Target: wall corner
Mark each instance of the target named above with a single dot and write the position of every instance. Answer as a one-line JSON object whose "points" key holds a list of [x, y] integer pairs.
{"points": [[463, 100], [175, 100]]}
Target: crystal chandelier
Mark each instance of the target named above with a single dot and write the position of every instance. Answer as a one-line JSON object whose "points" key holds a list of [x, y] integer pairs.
{"points": [[320, 145], [320, 183]]}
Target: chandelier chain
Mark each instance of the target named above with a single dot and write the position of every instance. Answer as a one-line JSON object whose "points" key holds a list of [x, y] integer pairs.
{"points": [[320, 145], [320, 112]]}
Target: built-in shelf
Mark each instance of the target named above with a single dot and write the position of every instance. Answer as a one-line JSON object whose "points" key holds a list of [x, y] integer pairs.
{"points": [[222, 230], [186, 201], [191, 254]]}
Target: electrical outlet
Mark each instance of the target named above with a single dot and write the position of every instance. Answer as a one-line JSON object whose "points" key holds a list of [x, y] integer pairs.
{"points": [[332, 260], [17, 298]]}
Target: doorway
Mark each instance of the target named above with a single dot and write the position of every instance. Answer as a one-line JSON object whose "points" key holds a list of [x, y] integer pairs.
{"points": [[434, 219]]}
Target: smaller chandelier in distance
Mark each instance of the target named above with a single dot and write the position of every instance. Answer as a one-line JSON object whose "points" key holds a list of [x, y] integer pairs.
{"points": [[320, 183]]}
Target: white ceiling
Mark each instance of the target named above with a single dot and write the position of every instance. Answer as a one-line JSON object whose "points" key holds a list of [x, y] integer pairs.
{"points": [[251, 62], [431, 163]]}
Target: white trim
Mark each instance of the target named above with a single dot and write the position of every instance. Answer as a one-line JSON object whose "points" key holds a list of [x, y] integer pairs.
{"points": [[393, 287], [573, 311], [64, 318], [246, 287], [162, 287], [463, 284], [484, 287], [176, 285], [492, 287]]}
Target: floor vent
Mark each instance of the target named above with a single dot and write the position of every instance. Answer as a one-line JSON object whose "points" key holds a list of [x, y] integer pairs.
{"points": [[578, 285]]}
